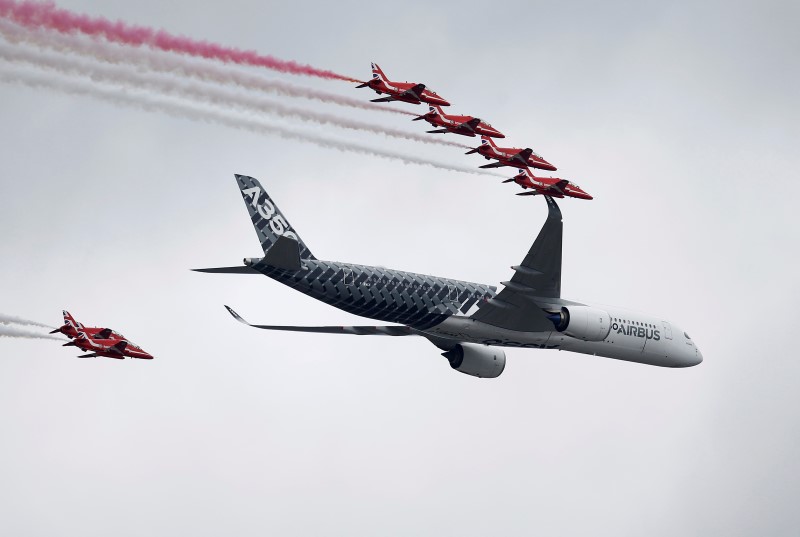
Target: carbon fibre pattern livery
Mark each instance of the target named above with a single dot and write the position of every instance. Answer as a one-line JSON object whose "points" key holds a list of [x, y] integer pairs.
{"points": [[415, 300], [268, 220]]}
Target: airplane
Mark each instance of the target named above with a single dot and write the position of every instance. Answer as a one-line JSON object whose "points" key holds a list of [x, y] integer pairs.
{"points": [[463, 125], [510, 156], [71, 327], [469, 322], [551, 186], [108, 348], [408, 92]]}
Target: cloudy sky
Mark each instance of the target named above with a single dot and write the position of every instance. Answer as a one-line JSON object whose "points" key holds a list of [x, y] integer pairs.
{"points": [[681, 118]]}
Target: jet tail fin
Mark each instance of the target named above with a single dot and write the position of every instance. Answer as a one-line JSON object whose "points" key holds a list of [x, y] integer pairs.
{"points": [[268, 220]]}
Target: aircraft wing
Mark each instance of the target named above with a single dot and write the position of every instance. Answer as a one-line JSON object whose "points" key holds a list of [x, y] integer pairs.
{"points": [[523, 156], [389, 330], [538, 276], [415, 91], [119, 348], [105, 333], [471, 125]]}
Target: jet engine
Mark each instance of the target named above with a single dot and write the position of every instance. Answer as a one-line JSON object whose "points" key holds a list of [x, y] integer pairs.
{"points": [[582, 322], [477, 360]]}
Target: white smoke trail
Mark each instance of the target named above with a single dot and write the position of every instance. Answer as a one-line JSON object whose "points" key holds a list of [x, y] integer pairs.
{"points": [[198, 91], [11, 319], [183, 109], [10, 331], [176, 64]]}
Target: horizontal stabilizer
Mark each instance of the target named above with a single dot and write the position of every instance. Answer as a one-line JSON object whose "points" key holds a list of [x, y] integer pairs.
{"points": [[390, 330], [532, 193], [383, 100], [438, 131], [364, 85], [284, 254], [492, 165], [471, 151], [93, 355], [228, 270]]}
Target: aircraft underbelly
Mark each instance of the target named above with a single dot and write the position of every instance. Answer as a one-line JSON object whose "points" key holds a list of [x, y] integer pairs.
{"points": [[468, 330], [472, 331]]}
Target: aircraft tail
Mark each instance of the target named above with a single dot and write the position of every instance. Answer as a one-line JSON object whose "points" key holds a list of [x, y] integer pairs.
{"points": [[268, 221], [69, 320], [487, 140], [377, 72]]}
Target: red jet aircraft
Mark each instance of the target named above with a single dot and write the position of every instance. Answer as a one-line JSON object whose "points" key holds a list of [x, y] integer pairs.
{"points": [[463, 125], [108, 348], [71, 327], [408, 92], [510, 156], [550, 186]]}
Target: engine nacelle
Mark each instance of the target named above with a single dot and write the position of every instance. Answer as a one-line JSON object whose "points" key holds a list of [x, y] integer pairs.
{"points": [[477, 360], [582, 322]]}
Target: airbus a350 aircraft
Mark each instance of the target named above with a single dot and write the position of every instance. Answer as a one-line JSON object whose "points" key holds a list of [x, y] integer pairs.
{"points": [[469, 321]]}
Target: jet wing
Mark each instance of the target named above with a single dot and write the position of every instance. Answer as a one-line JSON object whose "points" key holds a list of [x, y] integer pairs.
{"points": [[415, 91], [389, 330], [471, 125], [119, 348], [538, 276], [523, 156], [105, 333]]}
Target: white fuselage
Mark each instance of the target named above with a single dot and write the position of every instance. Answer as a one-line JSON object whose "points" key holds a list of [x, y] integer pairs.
{"points": [[633, 337]]}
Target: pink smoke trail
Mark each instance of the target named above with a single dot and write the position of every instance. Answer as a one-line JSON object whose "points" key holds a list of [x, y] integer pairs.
{"points": [[199, 91], [38, 14], [183, 109], [165, 62]]}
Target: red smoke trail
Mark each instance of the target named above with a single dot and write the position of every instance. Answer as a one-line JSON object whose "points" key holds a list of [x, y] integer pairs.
{"points": [[47, 15]]}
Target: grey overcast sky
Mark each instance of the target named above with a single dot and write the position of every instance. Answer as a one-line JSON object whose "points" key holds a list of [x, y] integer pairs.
{"points": [[681, 118]]}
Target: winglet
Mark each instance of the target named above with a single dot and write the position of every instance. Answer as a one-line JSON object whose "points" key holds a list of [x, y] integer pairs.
{"points": [[236, 316]]}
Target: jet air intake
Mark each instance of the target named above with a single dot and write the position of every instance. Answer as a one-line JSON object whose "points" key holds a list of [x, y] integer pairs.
{"points": [[477, 360], [582, 322]]}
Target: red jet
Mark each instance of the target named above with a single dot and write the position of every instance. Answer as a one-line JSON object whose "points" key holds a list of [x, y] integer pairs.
{"points": [[463, 125], [408, 92], [549, 186], [71, 328], [108, 348], [510, 156]]}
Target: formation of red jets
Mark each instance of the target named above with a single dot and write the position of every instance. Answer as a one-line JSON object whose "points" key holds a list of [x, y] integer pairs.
{"points": [[514, 157], [99, 341]]}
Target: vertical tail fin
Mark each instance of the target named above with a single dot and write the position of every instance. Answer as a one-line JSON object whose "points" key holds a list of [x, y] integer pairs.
{"points": [[267, 219], [487, 140], [377, 72], [69, 320]]}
